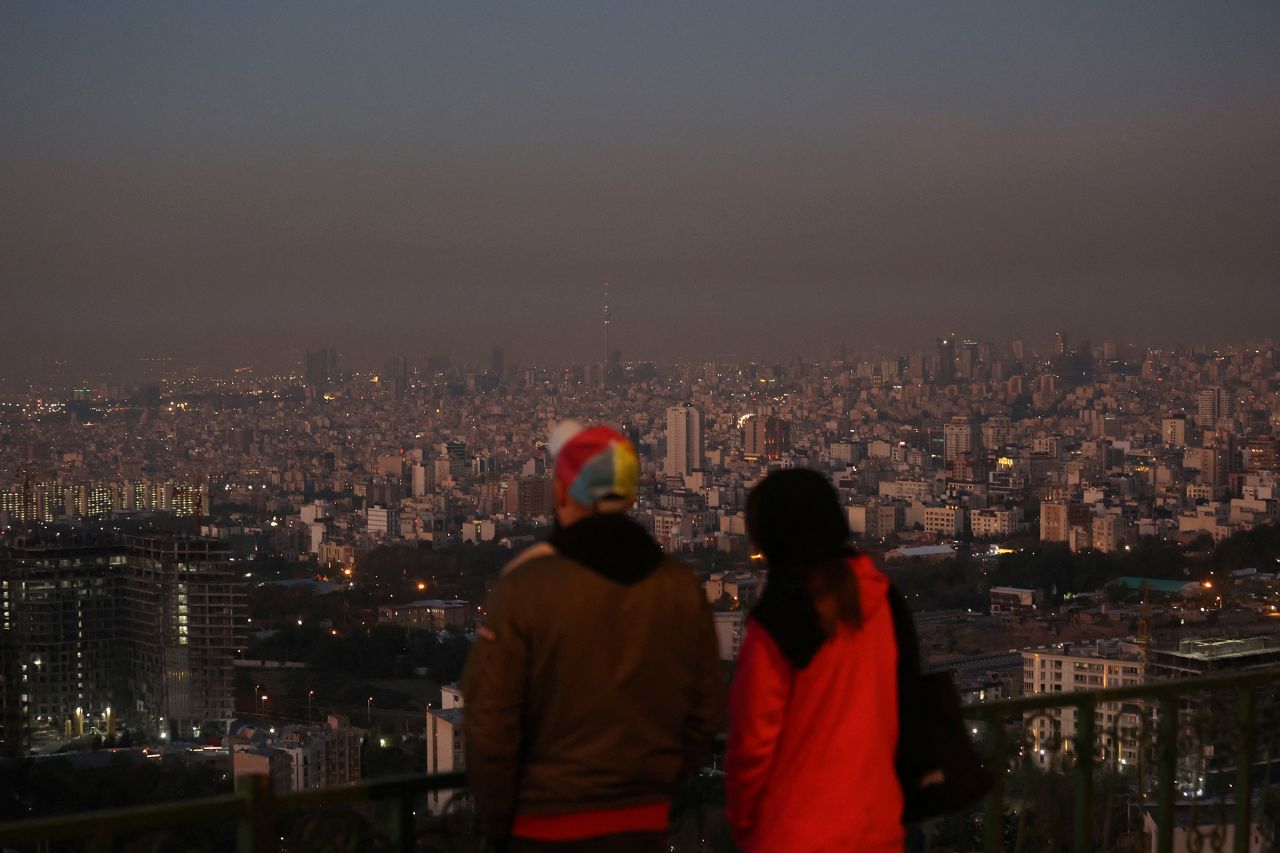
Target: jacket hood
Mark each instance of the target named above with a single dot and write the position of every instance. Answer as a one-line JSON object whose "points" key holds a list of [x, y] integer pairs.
{"points": [[872, 586], [610, 544], [786, 609]]}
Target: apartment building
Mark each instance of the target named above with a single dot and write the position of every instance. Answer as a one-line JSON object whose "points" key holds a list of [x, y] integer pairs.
{"points": [[1071, 668]]}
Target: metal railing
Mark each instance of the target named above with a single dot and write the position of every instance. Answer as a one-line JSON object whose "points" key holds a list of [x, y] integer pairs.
{"points": [[318, 819], [1196, 761]]}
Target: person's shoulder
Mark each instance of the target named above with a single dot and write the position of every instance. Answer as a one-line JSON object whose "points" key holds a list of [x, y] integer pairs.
{"points": [[670, 565], [535, 553], [674, 572]]}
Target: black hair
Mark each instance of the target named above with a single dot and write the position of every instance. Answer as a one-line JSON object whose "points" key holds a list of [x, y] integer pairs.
{"points": [[795, 519]]}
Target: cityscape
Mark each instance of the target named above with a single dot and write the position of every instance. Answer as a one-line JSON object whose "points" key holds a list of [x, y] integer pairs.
{"points": [[191, 564], [333, 334]]}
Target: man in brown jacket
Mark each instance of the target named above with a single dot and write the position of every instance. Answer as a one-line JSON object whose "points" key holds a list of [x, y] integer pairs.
{"points": [[594, 688]]}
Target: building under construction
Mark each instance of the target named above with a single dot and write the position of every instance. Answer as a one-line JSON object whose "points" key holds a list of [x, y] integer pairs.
{"points": [[142, 633]]}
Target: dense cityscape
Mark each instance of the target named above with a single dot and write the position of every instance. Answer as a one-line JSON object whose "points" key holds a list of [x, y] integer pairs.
{"points": [[212, 565], [639, 428]]}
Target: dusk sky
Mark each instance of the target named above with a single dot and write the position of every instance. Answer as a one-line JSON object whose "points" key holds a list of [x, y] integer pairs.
{"points": [[237, 181]]}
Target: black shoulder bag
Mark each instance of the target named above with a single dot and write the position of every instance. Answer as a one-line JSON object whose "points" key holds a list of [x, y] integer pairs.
{"points": [[938, 768]]}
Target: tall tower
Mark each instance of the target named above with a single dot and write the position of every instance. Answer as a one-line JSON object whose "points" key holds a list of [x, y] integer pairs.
{"points": [[605, 315]]}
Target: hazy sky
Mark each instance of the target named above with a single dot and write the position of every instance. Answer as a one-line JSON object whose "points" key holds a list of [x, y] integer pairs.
{"points": [[240, 180]]}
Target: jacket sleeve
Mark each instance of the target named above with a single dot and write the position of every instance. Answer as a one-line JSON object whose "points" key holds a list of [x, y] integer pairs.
{"points": [[493, 686], [757, 707], [707, 708]]}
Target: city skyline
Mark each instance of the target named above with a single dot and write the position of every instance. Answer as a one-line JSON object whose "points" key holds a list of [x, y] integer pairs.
{"points": [[374, 377], [222, 182], [478, 359]]}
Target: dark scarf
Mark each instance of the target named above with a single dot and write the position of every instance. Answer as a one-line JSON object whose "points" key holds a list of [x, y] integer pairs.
{"points": [[610, 544]]}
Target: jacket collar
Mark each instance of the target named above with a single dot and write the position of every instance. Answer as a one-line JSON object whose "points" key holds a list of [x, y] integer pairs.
{"points": [[610, 544]]}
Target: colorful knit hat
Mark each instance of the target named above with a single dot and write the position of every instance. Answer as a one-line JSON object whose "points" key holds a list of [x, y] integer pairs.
{"points": [[595, 464]]}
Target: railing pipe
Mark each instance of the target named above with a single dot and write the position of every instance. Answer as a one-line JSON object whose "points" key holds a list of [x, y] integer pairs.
{"points": [[402, 830], [1245, 719], [101, 842], [1168, 771], [254, 831], [1082, 841], [993, 820], [223, 807]]}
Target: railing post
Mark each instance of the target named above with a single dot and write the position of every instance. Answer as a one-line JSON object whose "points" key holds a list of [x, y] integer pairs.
{"points": [[1083, 834], [1245, 719], [254, 832], [1168, 771], [993, 821], [101, 842], [403, 829]]}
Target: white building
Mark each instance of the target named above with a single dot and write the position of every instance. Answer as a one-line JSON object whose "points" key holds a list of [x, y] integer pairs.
{"points": [[480, 530], [729, 630], [444, 753], [684, 440], [1069, 668], [958, 436], [1106, 532], [322, 755], [994, 523], [299, 758], [945, 521], [906, 489], [382, 521]]}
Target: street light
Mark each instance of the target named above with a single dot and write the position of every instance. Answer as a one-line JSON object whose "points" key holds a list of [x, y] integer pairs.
{"points": [[310, 693], [257, 689], [369, 709], [265, 697]]}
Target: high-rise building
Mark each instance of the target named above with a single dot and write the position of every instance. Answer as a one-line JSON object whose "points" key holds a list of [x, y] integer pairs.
{"points": [[753, 435], [395, 377], [768, 437], [143, 632], [997, 431], [1173, 430], [1212, 404], [1057, 518], [959, 436], [185, 623], [61, 626], [498, 362], [946, 360], [322, 367], [684, 439], [777, 438], [966, 361], [529, 497]]}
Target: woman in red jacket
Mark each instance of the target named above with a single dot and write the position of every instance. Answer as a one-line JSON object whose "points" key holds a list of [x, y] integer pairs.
{"points": [[814, 703]]}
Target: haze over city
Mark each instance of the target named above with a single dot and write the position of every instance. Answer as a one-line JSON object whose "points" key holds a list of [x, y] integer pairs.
{"points": [[234, 184], [662, 427]]}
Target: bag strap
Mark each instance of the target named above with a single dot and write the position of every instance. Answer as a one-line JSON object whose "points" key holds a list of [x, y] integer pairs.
{"points": [[914, 756]]}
